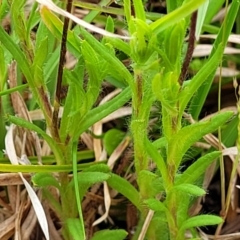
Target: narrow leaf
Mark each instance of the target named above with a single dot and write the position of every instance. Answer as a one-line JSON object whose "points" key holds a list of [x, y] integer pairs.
{"points": [[175, 16], [44, 180], [188, 135], [189, 189], [198, 80], [75, 228], [110, 234], [125, 188], [198, 168], [199, 221], [156, 205]]}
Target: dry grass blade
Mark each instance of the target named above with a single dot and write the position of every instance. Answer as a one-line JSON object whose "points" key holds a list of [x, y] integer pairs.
{"points": [[203, 50], [50, 5], [10, 149]]}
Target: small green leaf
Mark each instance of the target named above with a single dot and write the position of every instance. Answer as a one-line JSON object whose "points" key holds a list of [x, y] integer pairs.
{"points": [[214, 7], [102, 111], [198, 168], [222, 37], [125, 188], [55, 26], [76, 228], [120, 45], [18, 19], [112, 139], [165, 88], [199, 221], [157, 158], [175, 16], [156, 205], [109, 24], [17, 54], [173, 43], [145, 180], [87, 179], [188, 135], [103, 168], [45, 180], [104, 53], [198, 80], [202, 11], [72, 113], [110, 234], [97, 69], [39, 59], [2, 68], [189, 189]]}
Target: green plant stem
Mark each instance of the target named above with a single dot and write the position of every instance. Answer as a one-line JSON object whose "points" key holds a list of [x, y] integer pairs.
{"points": [[65, 202], [139, 121], [224, 203]]}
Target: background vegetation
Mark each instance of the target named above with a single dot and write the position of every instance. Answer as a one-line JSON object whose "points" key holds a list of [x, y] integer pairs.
{"points": [[126, 128]]}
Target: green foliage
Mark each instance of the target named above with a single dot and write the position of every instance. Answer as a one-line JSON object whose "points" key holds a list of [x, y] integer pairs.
{"points": [[156, 54], [110, 234], [112, 139]]}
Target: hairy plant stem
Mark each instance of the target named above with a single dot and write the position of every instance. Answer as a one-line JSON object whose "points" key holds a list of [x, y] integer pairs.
{"points": [[141, 104], [171, 125], [141, 109]]}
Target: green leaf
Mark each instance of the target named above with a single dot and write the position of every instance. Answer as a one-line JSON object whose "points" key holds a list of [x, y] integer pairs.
{"points": [[139, 10], [222, 37], [97, 70], [55, 26], [87, 179], [198, 168], [18, 19], [42, 33], [110, 234], [109, 24], [165, 88], [157, 158], [39, 59], [173, 44], [104, 53], [45, 180], [181, 142], [72, 113], [25, 124], [100, 167], [112, 139], [17, 54], [199, 221], [156, 205], [41, 168], [3, 68], [120, 45], [145, 181], [175, 16], [198, 80], [125, 188], [202, 11], [189, 189], [33, 19], [213, 8], [102, 111], [4, 8], [76, 228]]}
